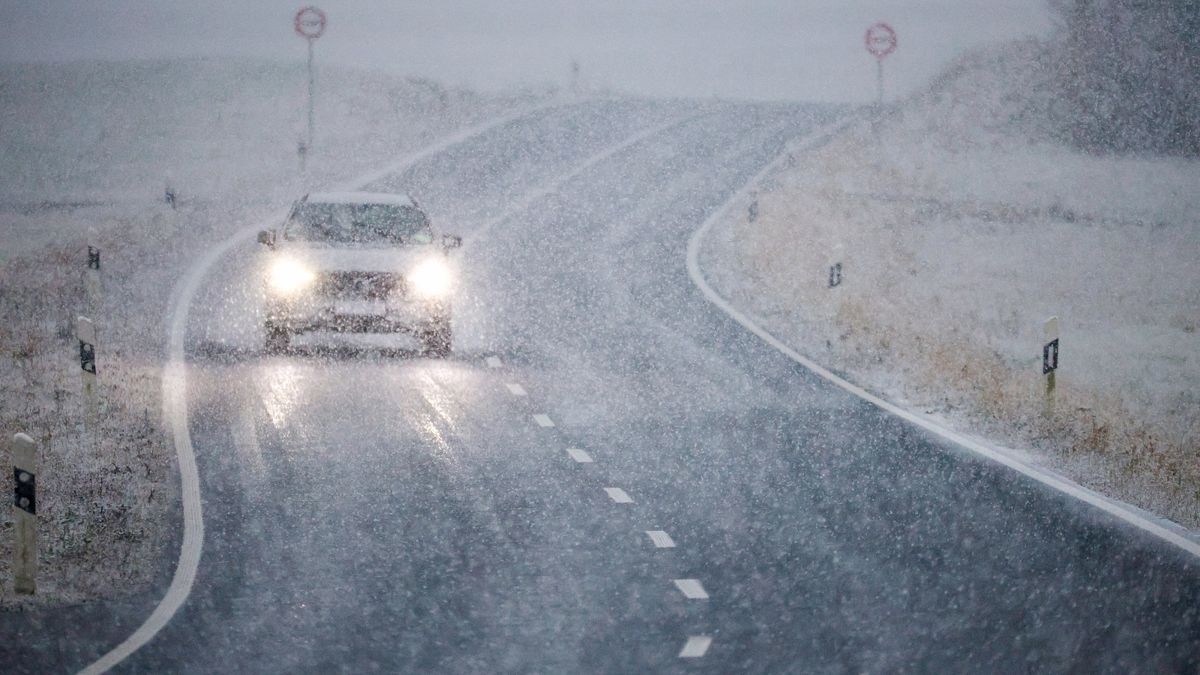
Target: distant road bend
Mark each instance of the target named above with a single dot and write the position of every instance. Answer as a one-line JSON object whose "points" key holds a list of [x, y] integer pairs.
{"points": [[611, 474]]}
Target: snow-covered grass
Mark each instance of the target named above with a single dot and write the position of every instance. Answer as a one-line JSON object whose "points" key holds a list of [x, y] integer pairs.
{"points": [[95, 145], [961, 228]]}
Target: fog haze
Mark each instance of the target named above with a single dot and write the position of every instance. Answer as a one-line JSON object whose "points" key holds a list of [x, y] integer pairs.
{"points": [[765, 49]]}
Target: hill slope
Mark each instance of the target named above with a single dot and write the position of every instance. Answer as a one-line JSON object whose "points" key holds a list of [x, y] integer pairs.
{"points": [[961, 228]]}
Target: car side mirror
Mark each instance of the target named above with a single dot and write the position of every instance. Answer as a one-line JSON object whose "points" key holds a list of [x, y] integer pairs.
{"points": [[267, 238], [450, 241]]}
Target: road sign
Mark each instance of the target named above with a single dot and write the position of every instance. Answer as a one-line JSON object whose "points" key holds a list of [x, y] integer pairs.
{"points": [[310, 23], [881, 40]]}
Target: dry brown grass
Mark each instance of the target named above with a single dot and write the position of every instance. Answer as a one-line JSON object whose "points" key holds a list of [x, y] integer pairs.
{"points": [[104, 493], [864, 329]]}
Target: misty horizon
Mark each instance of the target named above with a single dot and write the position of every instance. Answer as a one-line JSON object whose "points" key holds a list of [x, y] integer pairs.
{"points": [[764, 51]]}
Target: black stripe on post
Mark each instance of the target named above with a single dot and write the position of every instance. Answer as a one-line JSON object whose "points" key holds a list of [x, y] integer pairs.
{"points": [[1050, 357], [25, 491], [87, 357]]}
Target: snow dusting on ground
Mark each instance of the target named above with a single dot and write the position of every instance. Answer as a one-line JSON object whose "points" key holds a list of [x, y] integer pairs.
{"points": [[960, 228], [98, 145]]}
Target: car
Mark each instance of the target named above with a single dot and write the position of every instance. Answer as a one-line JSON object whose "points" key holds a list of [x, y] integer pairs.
{"points": [[358, 262]]}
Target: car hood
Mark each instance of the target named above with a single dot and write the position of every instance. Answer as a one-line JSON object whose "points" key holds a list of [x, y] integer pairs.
{"points": [[351, 259]]}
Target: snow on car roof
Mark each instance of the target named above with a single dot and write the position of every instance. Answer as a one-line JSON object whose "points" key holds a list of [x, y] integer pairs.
{"points": [[360, 198]]}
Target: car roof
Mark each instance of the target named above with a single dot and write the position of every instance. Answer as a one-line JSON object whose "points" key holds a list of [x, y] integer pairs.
{"points": [[359, 198]]}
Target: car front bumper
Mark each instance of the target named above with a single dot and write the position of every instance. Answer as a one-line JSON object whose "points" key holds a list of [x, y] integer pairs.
{"points": [[303, 315]]}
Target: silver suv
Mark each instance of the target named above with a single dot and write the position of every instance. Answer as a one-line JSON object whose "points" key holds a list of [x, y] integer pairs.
{"points": [[358, 262]]}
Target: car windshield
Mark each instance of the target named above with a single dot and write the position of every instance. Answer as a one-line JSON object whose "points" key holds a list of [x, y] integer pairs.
{"points": [[358, 223]]}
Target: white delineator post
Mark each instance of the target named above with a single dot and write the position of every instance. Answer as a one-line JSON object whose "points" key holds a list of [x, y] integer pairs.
{"points": [[85, 331], [836, 253], [25, 544], [1050, 360], [91, 273]]}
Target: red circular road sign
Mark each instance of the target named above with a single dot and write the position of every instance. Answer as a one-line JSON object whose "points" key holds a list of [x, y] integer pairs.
{"points": [[310, 23], [881, 40]]}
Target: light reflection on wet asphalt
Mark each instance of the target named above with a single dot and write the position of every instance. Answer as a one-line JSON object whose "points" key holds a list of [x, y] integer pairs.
{"points": [[695, 502]]}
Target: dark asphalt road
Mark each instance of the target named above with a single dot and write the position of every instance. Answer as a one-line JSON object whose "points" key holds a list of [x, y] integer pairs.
{"points": [[367, 510]]}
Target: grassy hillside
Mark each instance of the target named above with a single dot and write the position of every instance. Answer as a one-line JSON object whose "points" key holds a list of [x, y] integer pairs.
{"points": [[961, 228]]}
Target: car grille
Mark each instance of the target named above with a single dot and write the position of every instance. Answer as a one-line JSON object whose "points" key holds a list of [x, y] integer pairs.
{"points": [[359, 284]]}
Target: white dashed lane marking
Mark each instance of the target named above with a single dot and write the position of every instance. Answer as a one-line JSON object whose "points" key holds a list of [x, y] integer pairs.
{"points": [[696, 646], [515, 389], [579, 455], [493, 362], [618, 495], [661, 539], [543, 421], [691, 589]]}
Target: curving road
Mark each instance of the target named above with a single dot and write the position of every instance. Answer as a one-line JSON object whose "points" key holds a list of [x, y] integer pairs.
{"points": [[611, 475]]}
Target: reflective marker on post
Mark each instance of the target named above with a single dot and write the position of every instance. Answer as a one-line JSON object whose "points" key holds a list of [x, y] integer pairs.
{"points": [[1050, 350], [836, 255], [85, 331], [24, 459], [91, 275], [835, 275], [1050, 360]]}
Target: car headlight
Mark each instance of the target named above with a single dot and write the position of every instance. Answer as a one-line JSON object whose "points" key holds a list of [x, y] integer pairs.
{"points": [[287, 276], [430, 279]]}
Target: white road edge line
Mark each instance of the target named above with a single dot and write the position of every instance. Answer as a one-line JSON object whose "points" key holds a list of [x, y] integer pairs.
{"points": [[493, 362], [1107, 504], [515, 389], [175, 409], [579, 455], [695, 647], [661, 539], [692, 589], [543, 420], [618, 495]]}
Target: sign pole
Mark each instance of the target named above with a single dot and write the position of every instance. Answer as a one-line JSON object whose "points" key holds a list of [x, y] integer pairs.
{"points": [[25, 549], [310, 25], [311, 84], [881, 41], [879, 83]]}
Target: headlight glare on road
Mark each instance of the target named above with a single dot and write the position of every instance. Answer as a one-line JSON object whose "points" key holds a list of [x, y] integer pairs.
{"points": [[430, 279], [287, 276]]}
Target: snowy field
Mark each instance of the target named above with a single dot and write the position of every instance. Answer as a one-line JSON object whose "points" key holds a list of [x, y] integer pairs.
{"points": [[96, 145], [960, 229]]}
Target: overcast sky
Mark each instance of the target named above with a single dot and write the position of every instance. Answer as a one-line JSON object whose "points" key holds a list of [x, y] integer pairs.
{"points": [[761, 49]]}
